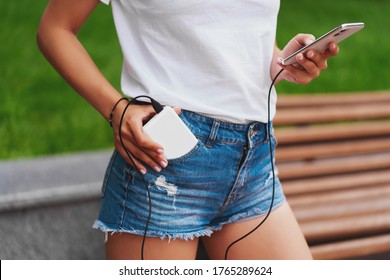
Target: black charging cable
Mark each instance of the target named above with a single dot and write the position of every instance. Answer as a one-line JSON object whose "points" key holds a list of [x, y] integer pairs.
{"points": [[269, 127], [158, 108]]}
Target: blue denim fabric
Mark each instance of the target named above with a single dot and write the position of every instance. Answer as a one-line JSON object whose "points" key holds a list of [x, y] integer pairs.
{"points": [[226, 178]]}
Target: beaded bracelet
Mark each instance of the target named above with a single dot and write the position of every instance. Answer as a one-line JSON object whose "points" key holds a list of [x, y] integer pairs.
{"points": [[113, 109]]}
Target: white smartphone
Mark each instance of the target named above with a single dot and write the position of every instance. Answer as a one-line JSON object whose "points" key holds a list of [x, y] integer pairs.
{"points": [[167, 129], [321, 44]]}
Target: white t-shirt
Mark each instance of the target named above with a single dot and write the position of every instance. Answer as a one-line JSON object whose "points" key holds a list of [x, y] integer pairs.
{"points": [[208, 56]]}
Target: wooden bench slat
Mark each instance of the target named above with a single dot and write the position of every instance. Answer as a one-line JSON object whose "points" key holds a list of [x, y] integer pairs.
{"points": [[352, 248], [341, 228], [333, 166], [334, 163], [329, 114], [333, 132], [310, 151], [322, 211], [304, 100], [340, 196], [315, 185]]}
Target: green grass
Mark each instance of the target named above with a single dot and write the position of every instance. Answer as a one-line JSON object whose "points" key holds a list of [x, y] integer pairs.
{"points": [[363, 63], [40, 114]]}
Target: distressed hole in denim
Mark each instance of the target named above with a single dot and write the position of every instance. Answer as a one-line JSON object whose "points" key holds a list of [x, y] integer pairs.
{"points": [[271, 175], [162, 184]]}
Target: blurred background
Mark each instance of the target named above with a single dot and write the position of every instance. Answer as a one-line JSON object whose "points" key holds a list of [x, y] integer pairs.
{"points": [[43, 119], [37, 104]]}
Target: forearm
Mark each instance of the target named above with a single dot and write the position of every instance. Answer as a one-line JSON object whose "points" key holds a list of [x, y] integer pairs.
{"points": [[64, 51]]}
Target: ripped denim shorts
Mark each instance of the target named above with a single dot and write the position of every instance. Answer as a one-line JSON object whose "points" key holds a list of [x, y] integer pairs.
{"points": [[226, 178]]}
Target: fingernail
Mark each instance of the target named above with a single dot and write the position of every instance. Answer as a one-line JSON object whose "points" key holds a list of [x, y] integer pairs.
{"points": [[279, 60], [157, 169], [300, 56], [160, 151], [143, 171], [310, 54], [163, 164]]}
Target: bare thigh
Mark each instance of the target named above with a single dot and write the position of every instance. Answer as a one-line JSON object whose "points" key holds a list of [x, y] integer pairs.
{"points": [[126, 246], [280, 237]]}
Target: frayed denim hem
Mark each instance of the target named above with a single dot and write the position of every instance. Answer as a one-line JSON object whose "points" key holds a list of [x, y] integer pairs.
{"points": [[163, 235]]}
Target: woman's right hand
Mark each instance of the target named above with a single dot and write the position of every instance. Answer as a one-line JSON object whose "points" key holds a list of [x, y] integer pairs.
{"points": [[142, 149]]}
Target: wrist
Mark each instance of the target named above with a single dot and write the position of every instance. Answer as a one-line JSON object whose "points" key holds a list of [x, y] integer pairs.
{"points": [[275, 68], [116, 107]]}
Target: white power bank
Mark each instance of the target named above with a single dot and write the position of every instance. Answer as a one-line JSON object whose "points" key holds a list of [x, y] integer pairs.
{"points": [[167, 129]]}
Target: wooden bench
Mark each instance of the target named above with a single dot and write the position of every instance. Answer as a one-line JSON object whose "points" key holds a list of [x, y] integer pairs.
{"points": [[333, 158]]}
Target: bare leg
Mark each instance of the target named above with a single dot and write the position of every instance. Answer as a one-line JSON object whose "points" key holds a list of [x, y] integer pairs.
{"points": [[121, 246], [280, 237]]}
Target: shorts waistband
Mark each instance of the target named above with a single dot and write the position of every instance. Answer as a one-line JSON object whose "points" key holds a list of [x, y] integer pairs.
{"points": [[214, 129]]}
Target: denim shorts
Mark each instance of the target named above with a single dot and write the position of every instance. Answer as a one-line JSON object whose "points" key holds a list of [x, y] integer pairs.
{"points": [[226, 178]]}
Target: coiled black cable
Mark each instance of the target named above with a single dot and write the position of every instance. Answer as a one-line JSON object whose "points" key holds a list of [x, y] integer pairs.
{"points": [[158, 108]]}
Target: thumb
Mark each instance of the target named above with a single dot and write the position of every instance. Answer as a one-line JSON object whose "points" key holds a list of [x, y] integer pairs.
{"points": [[296, 43], [304, 39]]}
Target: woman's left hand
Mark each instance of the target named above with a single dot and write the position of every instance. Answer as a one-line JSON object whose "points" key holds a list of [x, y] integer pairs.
{"points": [[308, 66]]}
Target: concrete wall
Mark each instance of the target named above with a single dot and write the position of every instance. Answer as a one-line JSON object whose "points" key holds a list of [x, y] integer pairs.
{"points": [[62, 231], [48, 206]]}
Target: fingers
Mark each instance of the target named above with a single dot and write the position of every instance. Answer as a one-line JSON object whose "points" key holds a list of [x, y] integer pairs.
{"points": [[130, 159], [317, 59], [310, 65], [332, 50], [306, 69], [141, 139], [321, 59], [154, 160], [130, 137], [177, 110], [296, 43]]}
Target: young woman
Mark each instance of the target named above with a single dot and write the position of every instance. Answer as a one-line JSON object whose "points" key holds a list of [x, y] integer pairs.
{"points": [[215, 60]]}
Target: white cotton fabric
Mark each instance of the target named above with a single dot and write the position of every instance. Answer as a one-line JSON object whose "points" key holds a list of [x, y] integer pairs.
{"points": [[212, 57]]}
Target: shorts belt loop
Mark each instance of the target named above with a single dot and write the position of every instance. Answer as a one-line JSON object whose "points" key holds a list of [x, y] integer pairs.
{"points": [[213, 134]]}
